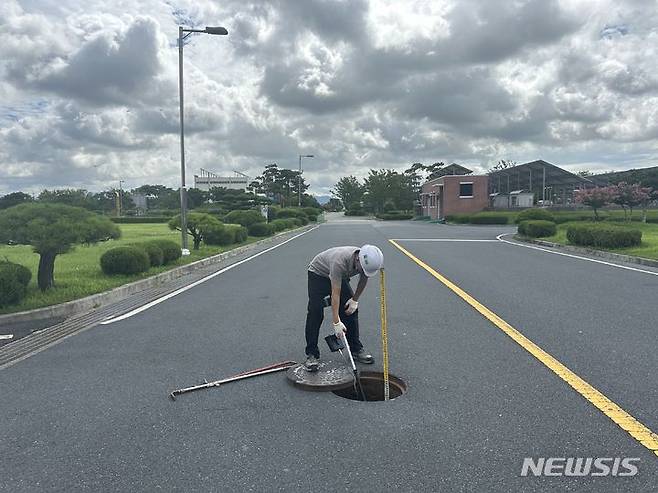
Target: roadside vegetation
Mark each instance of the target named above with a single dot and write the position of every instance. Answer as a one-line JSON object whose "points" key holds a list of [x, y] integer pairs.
{"points": [[79, 273], [647, 248], [66, 244], [559, 217]]}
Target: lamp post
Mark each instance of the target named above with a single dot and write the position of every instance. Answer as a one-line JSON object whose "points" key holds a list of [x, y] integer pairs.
{"points": [[183, 33], [121, 182], [299, 179]]}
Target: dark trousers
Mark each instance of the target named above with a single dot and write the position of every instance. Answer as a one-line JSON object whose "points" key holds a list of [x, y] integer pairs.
{"points": [[318, 288]]}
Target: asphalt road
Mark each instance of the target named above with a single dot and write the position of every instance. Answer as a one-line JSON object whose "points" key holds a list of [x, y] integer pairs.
{"points": [[92, 413]]}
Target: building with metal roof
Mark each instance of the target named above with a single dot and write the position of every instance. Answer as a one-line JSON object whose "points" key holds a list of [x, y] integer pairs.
{"points": [[549, 184]]}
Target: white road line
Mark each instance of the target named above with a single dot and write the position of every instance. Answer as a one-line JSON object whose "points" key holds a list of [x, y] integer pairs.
{"points": [[610, 264], [4, 337], [443, 239], [196, 283]]}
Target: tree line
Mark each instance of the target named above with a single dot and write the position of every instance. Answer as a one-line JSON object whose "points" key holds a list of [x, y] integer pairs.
{"points": [[386, 190], [274, 185]]}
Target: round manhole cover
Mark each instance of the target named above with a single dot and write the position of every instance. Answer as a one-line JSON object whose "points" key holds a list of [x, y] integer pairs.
{"points": [[331, 375]]}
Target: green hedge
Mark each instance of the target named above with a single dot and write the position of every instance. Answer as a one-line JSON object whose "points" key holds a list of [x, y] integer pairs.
{"points": [[139, 219], [171, 251], [489, 219], [240, 233], [245, 218], [154, 252], [355, 212], [394, 216], [125, 260], [283, 224], [534, 214], [261, 229], [537, 228], [603, 235], [312, 212], [218, 235], [292, 212], [458, 218], [14, 279]]}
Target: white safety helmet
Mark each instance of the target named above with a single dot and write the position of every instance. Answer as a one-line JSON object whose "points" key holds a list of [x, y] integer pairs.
{"points": [[371, 259]]}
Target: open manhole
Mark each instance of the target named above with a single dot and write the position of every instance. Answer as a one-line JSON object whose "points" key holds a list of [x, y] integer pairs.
{"points": [[372, 383]]}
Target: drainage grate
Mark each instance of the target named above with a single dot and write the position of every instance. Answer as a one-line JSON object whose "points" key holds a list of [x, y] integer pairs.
{"points": [[373, 387]]}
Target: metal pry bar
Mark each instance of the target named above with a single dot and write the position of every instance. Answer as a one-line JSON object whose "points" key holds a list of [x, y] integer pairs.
{"points": [[284, 365]]}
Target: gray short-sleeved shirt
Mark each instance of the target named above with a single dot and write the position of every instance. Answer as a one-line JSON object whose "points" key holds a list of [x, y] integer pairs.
{"points": [[336, 263]]}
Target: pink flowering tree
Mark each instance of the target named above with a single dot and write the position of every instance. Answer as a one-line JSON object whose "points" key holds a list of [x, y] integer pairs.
{"points": [[595, 198], [630, 196]]}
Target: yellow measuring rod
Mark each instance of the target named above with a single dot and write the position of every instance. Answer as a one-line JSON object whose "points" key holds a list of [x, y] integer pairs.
{"points": [[382, 295]]}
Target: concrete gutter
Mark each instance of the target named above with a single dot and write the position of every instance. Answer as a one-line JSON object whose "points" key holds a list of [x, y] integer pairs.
{"points": [[119, 293], [616, 257]]}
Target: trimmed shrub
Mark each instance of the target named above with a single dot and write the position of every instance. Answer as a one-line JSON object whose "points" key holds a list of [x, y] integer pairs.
{"points": [[291, 212], [312, 211], [603, 235], [537, 228], [489, 219], [458, 218], [282, 224], [394, 216], [139, 219], [240, 233], [170, 250], [219, 235], [154, 252], [125, 260], [14, 279], [296, 222], [565, 217], [245, 218], [534, 214], [356, 211], [261, 229]]}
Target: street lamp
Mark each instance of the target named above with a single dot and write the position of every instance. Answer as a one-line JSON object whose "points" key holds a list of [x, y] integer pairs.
{"points": [[299, 179], [183, 33], [121, 182]]}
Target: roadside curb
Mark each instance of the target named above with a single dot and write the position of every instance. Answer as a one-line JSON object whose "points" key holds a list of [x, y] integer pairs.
{"points": [[98, 300], [589, 251]]}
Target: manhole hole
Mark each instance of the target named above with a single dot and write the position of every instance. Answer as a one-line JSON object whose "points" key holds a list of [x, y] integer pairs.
{"points": [[373, 387]]}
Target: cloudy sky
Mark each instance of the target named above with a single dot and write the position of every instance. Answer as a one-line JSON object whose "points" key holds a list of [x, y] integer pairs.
{"points": [[89, 88]]}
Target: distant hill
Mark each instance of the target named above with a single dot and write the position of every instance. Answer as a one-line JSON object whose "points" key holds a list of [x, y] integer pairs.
{"points": [[648, 177], [322, 199]]}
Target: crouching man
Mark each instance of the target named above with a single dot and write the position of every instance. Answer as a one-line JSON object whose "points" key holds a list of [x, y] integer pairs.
{"points": [[329, 273]]}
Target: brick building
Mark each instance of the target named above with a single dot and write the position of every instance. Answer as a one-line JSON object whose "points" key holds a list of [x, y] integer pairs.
{"points": [[454, 194]]}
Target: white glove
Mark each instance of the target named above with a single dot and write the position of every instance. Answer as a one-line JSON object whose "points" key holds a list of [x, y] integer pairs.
{"points": [[351, 306], [340, 329]]}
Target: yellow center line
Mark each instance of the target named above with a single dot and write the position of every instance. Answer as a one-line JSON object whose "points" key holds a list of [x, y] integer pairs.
{"points": [[620, 417]]}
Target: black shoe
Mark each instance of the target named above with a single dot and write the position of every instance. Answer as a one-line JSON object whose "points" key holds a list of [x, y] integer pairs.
{"points": [[312, 364], [363, 356]]}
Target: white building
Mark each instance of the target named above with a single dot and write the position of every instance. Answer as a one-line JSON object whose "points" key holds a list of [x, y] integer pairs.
{"points": [[516, 199], [207, 180]]}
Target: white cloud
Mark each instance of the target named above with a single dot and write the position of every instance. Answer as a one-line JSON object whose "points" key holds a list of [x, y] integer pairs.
{"points": [[89, 88]]}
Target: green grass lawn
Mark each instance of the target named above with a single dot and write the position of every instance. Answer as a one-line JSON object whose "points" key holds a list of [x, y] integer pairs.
{"points": [[78, 273], [648, 248]]}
